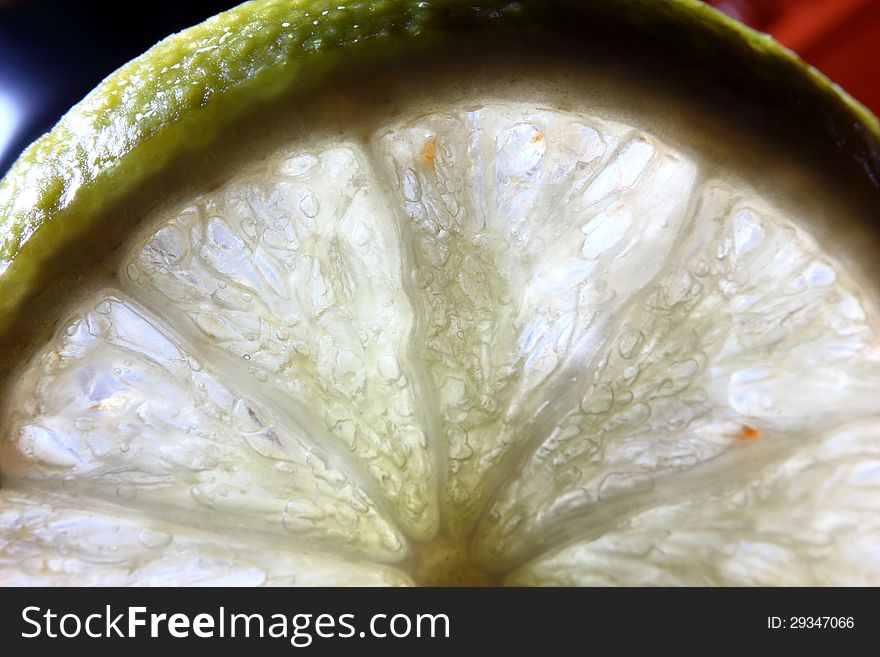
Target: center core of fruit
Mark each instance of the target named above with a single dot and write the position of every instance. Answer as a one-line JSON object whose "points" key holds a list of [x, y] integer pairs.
{"points": [[446, 562]]}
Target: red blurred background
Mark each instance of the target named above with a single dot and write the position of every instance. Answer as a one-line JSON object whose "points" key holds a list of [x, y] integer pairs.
{"points": [[839, 37]]}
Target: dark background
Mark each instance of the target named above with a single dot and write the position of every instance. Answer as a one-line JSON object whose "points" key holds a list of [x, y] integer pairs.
{"points": [[54, 52]]}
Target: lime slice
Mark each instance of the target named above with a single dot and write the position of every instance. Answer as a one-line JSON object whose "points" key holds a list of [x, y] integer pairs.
{"points": [[483, 338]]}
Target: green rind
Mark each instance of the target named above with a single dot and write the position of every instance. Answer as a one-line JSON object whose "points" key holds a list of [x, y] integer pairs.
{"points": [[181, 92]]}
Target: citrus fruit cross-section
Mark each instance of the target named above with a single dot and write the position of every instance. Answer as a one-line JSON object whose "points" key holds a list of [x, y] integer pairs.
{"points": [[495, 340]]}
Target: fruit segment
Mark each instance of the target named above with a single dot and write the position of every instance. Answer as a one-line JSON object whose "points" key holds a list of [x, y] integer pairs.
{"points": [[292, 277], [749, 335], [529, 232], [117, 409], [811, 519], [47, 541]]}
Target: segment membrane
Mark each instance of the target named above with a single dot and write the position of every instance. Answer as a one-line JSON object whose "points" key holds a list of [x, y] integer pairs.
{"points": [[812, 519], [529, 231], [47, 541], [748, 336], [117, 409], [295, 273]]}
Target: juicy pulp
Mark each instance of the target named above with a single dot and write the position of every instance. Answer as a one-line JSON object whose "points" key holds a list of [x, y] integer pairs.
{"points": [[517, 334]]}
